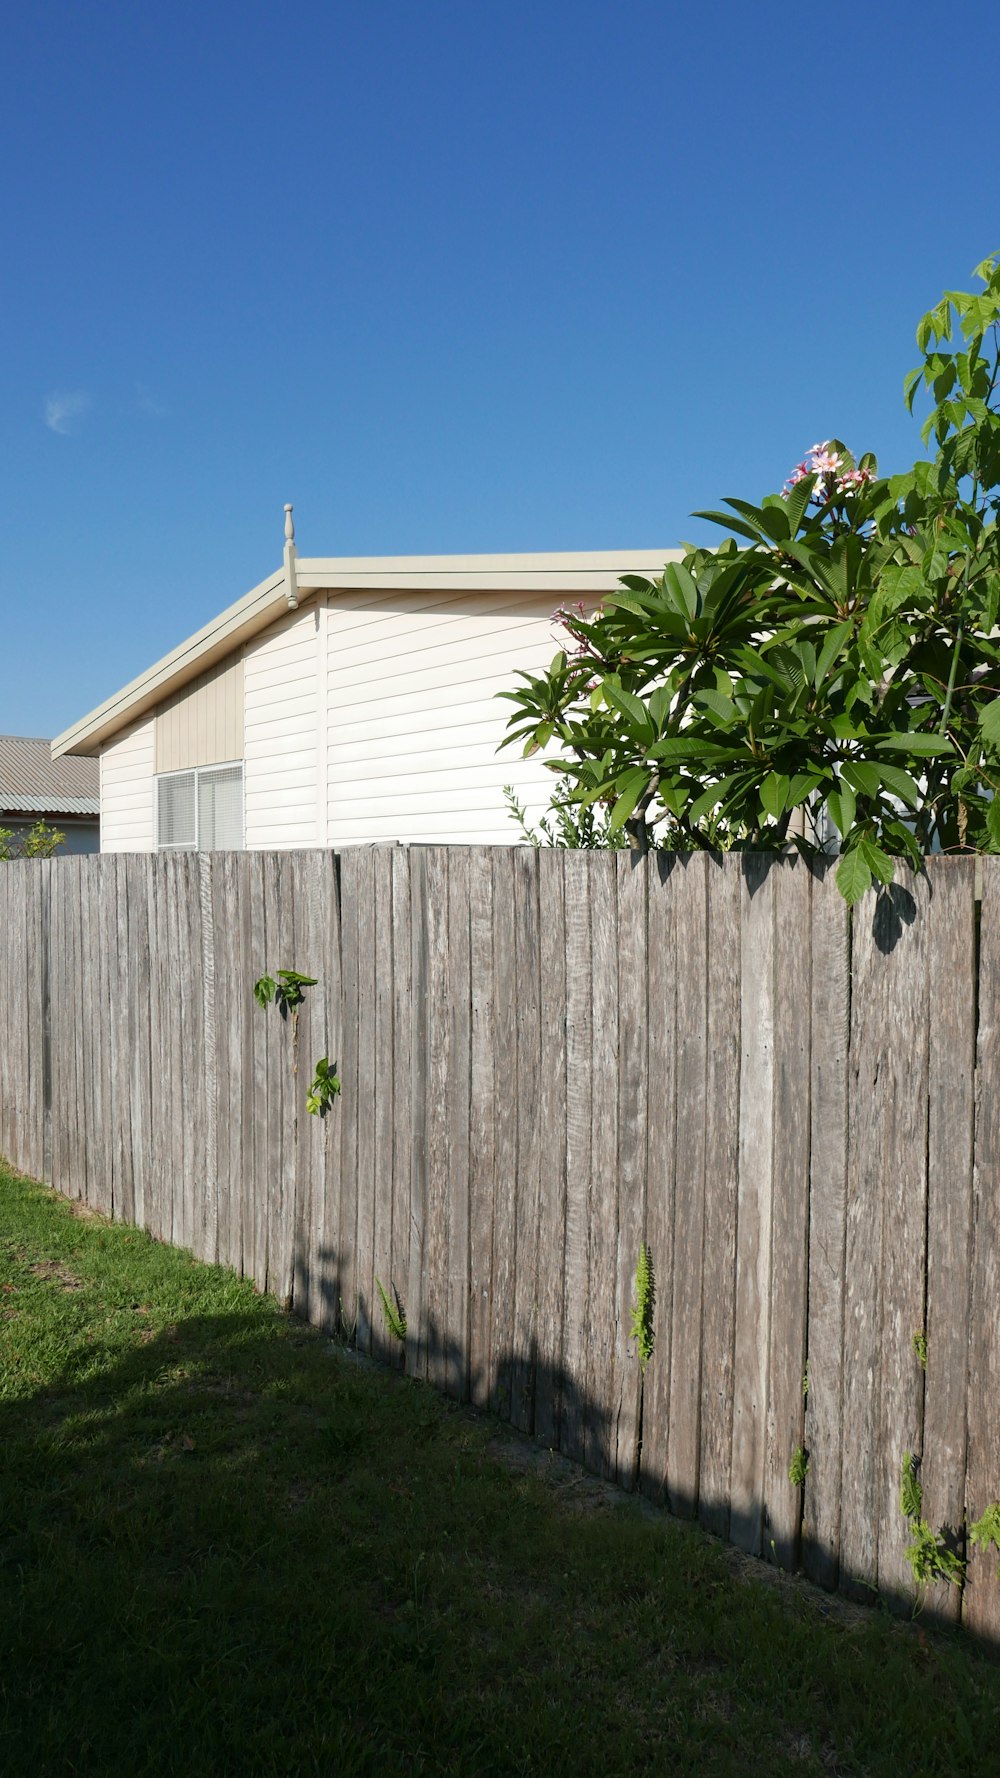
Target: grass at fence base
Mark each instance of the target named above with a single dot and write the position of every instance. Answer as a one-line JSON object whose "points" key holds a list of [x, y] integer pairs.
{"points": [[226, 1549]]}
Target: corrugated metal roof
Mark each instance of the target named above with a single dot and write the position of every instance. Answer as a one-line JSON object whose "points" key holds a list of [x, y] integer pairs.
{"points": [[31, 781]]}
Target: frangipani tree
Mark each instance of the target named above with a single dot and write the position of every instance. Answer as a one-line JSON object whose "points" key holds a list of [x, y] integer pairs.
{"points": [[835, 662]]}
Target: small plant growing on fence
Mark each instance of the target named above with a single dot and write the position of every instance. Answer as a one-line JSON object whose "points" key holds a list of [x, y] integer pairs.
{"points": [[642, 1330], [930, 1557], [798, 1468], [919, 1344], [285, 991], [986, 1530], [324, 1089], [392, 1309]]}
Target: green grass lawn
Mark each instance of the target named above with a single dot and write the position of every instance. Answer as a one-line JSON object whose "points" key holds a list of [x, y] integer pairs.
{"points": [[225, 1547]]}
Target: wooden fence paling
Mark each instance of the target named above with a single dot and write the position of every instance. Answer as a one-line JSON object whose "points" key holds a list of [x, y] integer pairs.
{"points": [[547, 1059], [827, 1094], [692, 962], [951, 1114], [981, 1601], [661, 1057]]}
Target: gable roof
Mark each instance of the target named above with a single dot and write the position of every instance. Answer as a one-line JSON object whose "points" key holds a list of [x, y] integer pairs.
{"points": [[33, 783], [556, 574]]}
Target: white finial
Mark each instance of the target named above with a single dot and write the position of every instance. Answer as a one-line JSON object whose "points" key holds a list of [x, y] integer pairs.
{"points": [[291, 583]]}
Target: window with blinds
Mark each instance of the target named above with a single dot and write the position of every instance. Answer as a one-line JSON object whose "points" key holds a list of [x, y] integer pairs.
{"points": [[200, 810]]}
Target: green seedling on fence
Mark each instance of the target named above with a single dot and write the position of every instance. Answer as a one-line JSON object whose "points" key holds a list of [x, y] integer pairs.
{"points": [[931, 1557], [642, 1330], [986, 1530], [798, 1468], [392, 1309], [324, 1089], [284, 990], [919, 1344]]}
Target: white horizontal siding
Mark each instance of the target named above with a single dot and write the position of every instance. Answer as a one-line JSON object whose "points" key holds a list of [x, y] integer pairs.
{"points": [[413, 720], [281, 685], [127, 815]]}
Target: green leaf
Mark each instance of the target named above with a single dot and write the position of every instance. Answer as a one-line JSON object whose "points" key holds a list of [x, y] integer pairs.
{"points": [[843, 808], [633, 785], [878, 862], [989, 723], [920, 745], [853, 876], [862, 777], [833, 646], [993, 823], [627, 704], [774, 794]]}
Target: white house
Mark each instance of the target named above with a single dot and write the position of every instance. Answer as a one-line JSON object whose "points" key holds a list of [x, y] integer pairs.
{"points": [[342, 701]]}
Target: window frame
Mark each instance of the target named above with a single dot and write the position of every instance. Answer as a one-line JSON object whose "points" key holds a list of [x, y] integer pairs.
{"points": [[194, 772]]}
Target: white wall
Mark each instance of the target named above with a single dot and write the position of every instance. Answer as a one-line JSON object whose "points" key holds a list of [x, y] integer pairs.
{"points": [[127, 817], [281, 718], [413, 723]]}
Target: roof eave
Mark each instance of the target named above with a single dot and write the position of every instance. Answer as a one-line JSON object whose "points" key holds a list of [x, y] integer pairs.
{"points": [[557, 573]]}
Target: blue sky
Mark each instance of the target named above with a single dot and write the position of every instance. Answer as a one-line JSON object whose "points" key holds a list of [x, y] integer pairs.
{"points": [[453, 275]]}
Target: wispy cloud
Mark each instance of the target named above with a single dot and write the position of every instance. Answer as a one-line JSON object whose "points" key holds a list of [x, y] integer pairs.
{"points": [[148, 404], [65, 409]]}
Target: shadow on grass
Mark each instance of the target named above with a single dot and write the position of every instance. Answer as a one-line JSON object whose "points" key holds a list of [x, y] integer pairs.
{"points": [[227, 1546]]}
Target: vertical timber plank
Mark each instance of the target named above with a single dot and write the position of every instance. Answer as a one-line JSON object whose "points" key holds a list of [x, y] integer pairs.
{"points": [[690, 884], [981, 1602], [951, 992], [790, 1208], [660, 1137], [402, 1029], [505, 1133], [482, 1124], [901, 938], [528, 1038], [633, 1043], [458, 1112], [416, 1330], [436, 1233], [552, 1158], [383, 1081], [600, 1407], [364, 884], [722, 1152], [350, 877], [753, 1236], [830, 1003]]}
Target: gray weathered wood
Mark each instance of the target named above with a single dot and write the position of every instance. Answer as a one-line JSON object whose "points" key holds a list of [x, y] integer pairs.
{"points": [[661, 1099], [402, 1028], [601, 1409], [529, 1064], [457, 1111], [753, 1238], [381, 940], [981, 1602], [790, 1210], [552, 1151], [579, 1093], [633, 1043], [482, 1125], [690, 887], [436, 1228], [827, 1089], [722, 1148], [505, 1134], [416, 1333], [951, 993], [902, 1095]]}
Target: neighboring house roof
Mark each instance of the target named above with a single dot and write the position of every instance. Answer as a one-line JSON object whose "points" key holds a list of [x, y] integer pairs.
{"points": [[33, 783], [558, 574]]}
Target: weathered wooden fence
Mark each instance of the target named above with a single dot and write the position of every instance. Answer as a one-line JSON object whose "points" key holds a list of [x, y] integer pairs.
{"points": [[547, 1058]]}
